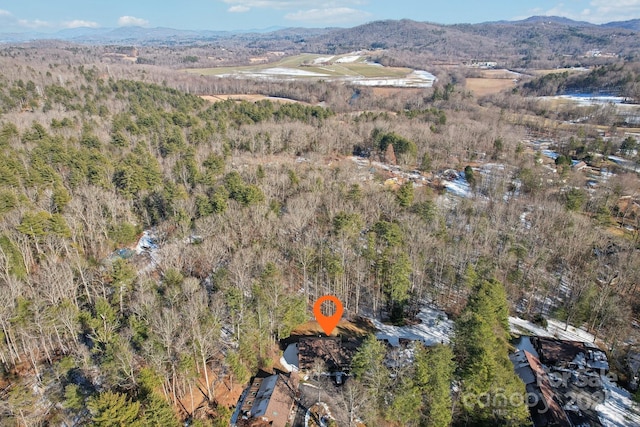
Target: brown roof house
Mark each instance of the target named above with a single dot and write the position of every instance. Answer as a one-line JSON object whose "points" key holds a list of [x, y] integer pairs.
{"points": [[335, 353], [570, 354], [267, 402], [543, 405]]}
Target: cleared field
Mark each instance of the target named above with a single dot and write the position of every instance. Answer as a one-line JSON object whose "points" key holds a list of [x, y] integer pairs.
{"points": [[368, 70], [249, 98], [352, 67], [500, 74], [303, 64], [558, 70], [488, 86]]}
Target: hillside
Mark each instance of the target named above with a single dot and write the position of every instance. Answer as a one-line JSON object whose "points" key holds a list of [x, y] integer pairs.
{"points": [[622, 80], [164, 234], [525, 43], [633, 24]]}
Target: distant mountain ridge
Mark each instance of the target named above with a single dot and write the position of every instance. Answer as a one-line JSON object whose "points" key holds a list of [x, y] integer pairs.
{"points": [[540, 19], [538, 41], [158, 35], [632, 24], [115, 35], [133, 34]]}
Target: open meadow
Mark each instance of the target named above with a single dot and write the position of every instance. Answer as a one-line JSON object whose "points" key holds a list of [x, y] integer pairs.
{"points": [[354, 67]]}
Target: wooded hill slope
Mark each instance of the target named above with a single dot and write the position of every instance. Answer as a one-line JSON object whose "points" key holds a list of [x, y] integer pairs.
{"points": [[536, 42], [257, 209]]}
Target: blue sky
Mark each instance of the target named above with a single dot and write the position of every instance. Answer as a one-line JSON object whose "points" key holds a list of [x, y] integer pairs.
{"points": [[53, 15]]}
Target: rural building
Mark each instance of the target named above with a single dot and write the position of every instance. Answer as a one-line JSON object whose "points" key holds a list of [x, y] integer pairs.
{"points": [[570, 354], [267, 402], [543, 405], [483, 64], [630, 209], [563, 380], [335, 354], [579, 166]]}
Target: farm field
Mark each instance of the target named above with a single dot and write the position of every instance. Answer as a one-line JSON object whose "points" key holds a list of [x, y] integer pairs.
{"points": [[481, 86], [492, 81], [353, 68]]}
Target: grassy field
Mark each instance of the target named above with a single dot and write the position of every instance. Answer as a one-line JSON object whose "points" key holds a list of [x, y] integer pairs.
{"points": [[367, 70], [300, 66], [558, 70], [499, 74], [488, 86]]}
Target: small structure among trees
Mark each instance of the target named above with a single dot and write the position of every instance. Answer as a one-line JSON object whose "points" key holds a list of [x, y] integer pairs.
{"points": [[268, 401], [335, 354]]}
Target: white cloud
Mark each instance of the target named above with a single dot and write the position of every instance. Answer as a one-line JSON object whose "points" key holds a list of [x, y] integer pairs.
{"points": [[130, 21], [336, 15], [239, 9], [614, 10], [268, 4], [18, 24], [598, 12], [9, 20], [34, 24], [79, 23], [293, 4], [308, 11]]}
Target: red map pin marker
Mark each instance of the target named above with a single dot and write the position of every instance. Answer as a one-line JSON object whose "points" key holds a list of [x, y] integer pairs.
{"points": [[328, 323]]}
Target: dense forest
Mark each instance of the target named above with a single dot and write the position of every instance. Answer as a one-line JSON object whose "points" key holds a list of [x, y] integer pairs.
{"points": [[256, 209]]}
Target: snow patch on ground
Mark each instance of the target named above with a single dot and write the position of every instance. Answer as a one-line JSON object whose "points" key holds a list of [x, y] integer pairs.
{"points": [[555, 329], [280, 71], [417, 79], [424, 75], [618, 410], [147, 243], [459, 186], [617, 159], [589, 99], [434, 328], [348, 59], [323, 59]]}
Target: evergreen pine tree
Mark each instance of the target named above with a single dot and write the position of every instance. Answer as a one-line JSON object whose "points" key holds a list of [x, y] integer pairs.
{"points": [[481, 343], [434, 374], [111, 409]]}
